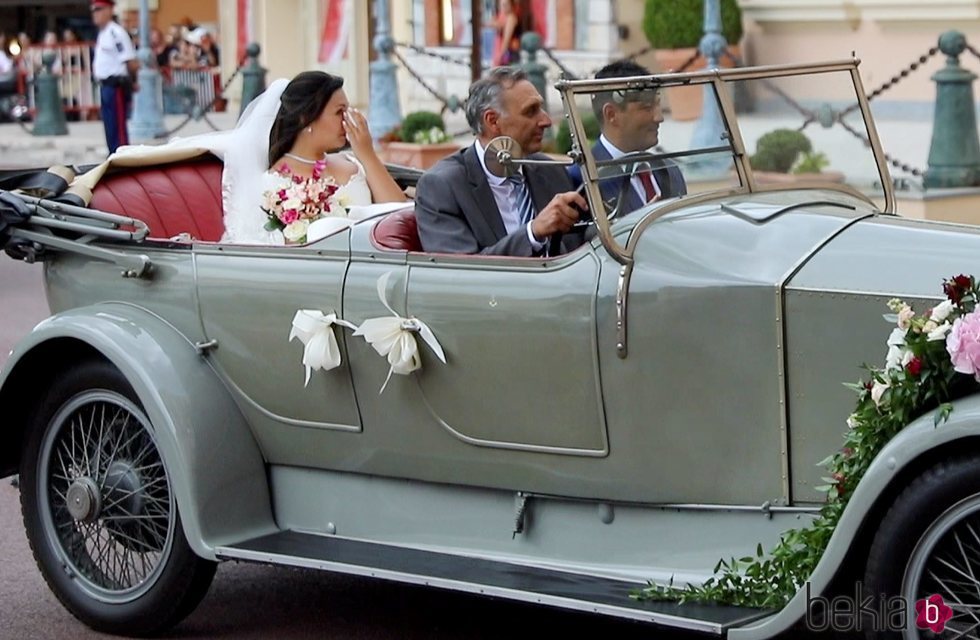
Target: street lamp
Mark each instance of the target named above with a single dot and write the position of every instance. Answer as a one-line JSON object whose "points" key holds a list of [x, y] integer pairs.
{"points": [[147, 120], [384, 113], [709, 131]]}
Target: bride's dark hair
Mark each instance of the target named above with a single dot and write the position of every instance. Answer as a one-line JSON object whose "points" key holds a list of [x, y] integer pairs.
{"points": [[303, 100]]}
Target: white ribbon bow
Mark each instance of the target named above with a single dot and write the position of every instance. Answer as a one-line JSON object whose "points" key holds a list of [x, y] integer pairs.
{"points": [[395, 338], [315, 331]]}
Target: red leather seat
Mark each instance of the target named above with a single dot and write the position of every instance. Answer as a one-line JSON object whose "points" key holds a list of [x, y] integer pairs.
{"points": [[181, 197], [397, 231]]}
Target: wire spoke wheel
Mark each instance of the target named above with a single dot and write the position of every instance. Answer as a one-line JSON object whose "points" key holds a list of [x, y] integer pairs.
{"points": [[106, 496], [946, 561], [100, 511]]}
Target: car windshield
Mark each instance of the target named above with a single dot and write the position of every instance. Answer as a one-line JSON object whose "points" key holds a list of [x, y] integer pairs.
{"points": [[780, 127]]}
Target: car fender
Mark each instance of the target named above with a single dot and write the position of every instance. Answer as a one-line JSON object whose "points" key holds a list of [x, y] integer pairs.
{"points": [[215, 466], [913, 442]]}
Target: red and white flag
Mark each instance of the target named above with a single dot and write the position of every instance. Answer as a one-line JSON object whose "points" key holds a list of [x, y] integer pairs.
{"points": [[338, 17], [544, 14], [244, 26]]}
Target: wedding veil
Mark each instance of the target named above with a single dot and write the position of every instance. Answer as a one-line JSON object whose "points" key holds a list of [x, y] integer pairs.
{"points": [[246, 159]]}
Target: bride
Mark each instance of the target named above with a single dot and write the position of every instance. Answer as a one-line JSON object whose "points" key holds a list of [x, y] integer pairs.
{"points": [[283, 133]]}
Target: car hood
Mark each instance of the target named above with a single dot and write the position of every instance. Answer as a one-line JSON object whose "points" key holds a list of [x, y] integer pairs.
{"points": [[892, 256]]}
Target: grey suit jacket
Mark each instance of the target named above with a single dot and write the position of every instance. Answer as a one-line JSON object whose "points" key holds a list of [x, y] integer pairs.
{"points": [[456, 211]]}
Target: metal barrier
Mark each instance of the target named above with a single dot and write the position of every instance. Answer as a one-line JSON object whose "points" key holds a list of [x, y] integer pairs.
{"points": [[73, 64], [203, 81]]}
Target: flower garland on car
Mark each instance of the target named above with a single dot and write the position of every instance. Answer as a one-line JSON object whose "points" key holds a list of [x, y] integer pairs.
{"points": [[291, 209], [933, 358]]}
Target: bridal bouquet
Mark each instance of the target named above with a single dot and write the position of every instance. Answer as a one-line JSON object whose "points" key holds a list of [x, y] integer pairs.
{"points": [[293, 207]]}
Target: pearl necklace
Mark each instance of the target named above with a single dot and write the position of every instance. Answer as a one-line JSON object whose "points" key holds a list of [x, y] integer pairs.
{"points": [[302, 159]]}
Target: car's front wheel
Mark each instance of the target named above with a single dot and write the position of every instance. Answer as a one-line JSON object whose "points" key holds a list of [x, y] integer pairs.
{"points": [[928, 544], [99, 508]]}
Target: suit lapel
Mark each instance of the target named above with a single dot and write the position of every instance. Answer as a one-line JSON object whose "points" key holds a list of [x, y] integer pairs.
{"points": [[611, 188], [483, 196]]}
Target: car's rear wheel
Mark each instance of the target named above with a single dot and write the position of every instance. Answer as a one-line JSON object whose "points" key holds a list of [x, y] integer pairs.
{"points": [[99, 508], [928, 544]]}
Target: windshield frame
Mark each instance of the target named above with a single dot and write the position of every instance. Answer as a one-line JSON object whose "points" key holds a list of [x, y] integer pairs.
{"points": [[719, 79]]}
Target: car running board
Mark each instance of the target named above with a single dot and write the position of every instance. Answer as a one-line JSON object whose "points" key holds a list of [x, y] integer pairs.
{"points": [[521, 582]]}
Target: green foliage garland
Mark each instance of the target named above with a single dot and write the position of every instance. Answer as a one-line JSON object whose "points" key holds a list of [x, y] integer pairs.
{"points": [[918, 377]]}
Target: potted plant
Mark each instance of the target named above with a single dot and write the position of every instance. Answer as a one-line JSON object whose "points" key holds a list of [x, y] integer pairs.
{"points": [[674, 28], [787, 156], [419, 142]]}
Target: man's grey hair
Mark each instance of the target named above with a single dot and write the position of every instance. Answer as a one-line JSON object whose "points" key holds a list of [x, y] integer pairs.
{"points": [[485, 94]]}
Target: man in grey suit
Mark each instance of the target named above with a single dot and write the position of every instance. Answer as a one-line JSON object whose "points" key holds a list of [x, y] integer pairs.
{"points": [[461, 207], [630, 122]]}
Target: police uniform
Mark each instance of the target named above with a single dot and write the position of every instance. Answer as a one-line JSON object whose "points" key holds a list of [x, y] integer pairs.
{"points": [[113, 49]]}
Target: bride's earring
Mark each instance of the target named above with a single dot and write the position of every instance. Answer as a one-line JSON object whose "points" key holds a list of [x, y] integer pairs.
{"points": [[309, 129]]}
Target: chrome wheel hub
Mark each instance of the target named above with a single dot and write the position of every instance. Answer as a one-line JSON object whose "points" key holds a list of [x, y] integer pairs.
{"points": [[83, 500]]}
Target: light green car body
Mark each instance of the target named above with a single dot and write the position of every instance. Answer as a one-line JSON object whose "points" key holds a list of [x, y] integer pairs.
{"points": [[645, 453]]}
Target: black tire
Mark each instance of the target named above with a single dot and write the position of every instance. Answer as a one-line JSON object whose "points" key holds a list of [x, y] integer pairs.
{"points": [[929, 534], [116, 557]]}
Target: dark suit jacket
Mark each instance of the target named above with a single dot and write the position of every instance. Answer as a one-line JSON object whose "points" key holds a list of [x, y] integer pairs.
{"points": [[669, 179], [456, 211]]}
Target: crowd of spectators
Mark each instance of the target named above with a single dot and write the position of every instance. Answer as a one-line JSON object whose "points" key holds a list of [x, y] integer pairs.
{"points": [[185, 47]]}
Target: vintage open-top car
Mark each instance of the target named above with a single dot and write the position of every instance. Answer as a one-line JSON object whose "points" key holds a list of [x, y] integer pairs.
{"points": [[554, 430]]}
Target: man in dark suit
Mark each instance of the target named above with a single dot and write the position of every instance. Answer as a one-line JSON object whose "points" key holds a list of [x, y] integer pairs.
{"points": [[461, 207], [630, 122]]}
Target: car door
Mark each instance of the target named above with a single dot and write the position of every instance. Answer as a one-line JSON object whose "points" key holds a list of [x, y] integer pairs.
{"points": [[520, 343], [248, 298]]}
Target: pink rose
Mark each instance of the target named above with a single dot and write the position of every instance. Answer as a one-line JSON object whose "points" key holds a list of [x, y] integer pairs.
{"points": [[289, 216], [963, 344]]}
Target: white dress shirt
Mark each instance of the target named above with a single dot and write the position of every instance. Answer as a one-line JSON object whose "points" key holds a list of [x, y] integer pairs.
{"points": [[635, 180], [113, 48], [505, 195]]}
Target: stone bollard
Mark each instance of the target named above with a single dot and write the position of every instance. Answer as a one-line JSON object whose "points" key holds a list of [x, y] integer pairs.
{"points": [[50, 118], [253, 76], [954, 154], [530, 45]]}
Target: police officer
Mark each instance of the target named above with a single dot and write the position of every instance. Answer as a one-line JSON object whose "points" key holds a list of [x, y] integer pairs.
{"points": [[114, 67]]}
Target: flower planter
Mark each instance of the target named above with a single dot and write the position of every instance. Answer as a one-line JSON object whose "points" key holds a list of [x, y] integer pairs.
{"points": [[685, 102], [420, 156]]}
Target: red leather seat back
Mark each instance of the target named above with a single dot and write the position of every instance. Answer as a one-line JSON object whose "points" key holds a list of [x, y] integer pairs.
{"points": [[181, 197], [397, 231]]}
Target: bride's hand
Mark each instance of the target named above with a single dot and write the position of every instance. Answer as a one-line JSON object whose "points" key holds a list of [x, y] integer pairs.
{"points": [[358, 134]]}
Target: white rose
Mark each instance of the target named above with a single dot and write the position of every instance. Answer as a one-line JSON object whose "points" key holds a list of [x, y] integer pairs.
{"points": [[939, 333], [852, 421], [877, 390], [296, 231], [941, 311], [895, 357], [929, 326], [292, 203], [897, 338]]}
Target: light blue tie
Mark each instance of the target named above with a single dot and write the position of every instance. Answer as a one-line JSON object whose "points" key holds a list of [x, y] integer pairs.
{"points": [[524, 205]]}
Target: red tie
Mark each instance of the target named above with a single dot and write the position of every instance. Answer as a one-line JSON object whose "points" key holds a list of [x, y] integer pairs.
{"points": [[647, 183]]}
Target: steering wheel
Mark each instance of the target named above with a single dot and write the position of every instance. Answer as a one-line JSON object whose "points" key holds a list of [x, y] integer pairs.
{"points": [[503, 157]]}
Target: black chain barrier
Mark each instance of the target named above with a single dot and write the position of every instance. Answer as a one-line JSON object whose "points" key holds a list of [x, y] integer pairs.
{"points": [[439, 56], [435, 94]]}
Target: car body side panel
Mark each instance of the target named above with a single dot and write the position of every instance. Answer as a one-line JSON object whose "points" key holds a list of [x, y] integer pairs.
{"points": [[700, 387], [834, 309], [214, 465]]}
